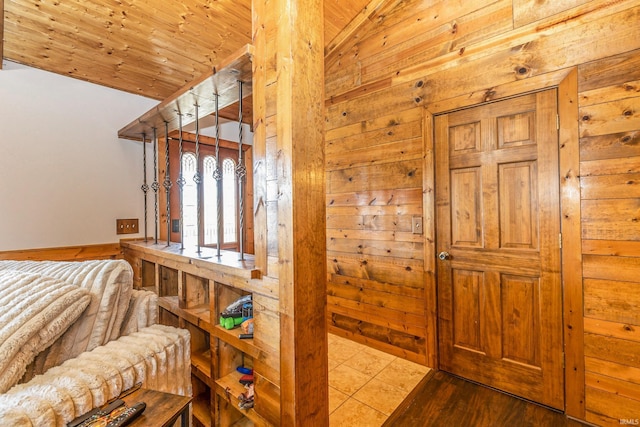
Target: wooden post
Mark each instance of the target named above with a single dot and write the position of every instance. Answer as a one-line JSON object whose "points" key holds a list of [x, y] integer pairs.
{"points": [[573, 297], [1, 32], [299, 101]]}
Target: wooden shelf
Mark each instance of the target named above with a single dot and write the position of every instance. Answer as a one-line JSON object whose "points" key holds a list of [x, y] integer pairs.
{"points": [[201, 366], [229, 388], [200, 409], [243, 422], [199, 316], [203, 264], [222, 80], [194, 288], [230, 336]]}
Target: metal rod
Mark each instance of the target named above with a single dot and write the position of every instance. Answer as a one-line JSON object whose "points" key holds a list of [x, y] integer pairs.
{"points": [[167, 181], [241, 172], [197, 178], [144, 187], [155, 186], [181, 181], [217, 175]]}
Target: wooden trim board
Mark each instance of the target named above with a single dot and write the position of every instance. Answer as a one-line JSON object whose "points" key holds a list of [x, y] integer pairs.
{"points": [[66, 253]]}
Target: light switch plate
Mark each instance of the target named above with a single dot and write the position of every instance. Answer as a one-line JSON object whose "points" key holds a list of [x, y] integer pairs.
{"points": [[416, 225], [127, 226]]}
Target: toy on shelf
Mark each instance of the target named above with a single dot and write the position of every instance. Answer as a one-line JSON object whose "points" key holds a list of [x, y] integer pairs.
{"points": [[237, 312]]}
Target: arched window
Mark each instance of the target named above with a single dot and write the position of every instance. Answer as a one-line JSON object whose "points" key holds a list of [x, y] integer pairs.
{"points": [[229, 202], [208, 198], [189, 200], [210, 201]]}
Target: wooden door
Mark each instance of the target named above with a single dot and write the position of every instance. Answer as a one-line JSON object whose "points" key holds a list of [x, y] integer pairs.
{"points": [[499, 285]]}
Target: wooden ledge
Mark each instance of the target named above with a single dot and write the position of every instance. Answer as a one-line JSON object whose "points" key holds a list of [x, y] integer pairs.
{"points": [[222, 80], [228, 264]]}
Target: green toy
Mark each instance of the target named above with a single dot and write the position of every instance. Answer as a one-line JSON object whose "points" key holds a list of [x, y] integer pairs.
{"points": [[237, 312]]}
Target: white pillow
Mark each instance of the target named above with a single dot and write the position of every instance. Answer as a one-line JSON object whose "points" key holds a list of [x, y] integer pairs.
{"points": [[34, 311]]}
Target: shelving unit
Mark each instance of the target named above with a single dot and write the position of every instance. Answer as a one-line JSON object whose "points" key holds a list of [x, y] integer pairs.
{"points": [[192, 292], [194, 287]]}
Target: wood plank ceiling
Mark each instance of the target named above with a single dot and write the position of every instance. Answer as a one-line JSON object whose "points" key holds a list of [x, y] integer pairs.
{"points": [[147, 47]]}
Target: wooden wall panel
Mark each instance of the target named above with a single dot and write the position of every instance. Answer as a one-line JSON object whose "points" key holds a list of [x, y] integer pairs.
{"points": [[609, 129], [416, 55], [528, 11], [374, 190]]}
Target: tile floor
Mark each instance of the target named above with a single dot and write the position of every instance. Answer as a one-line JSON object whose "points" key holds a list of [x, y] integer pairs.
{"points": [[365, 384]]}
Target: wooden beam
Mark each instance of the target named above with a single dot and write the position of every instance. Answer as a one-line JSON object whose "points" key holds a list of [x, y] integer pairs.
{"points": [[1, 32], [260, 137], [301, 221]]}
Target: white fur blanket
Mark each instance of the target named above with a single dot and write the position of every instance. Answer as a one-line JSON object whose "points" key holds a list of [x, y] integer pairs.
{"points": [[143, 311], [158, 356], [34, 312], [109, 282]]}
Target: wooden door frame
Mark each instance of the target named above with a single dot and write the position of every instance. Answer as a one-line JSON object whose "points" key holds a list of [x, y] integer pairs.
{"points": [[566, 82]]}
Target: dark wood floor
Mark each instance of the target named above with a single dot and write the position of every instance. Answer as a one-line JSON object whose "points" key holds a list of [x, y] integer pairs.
{"points": [[445, 400]]}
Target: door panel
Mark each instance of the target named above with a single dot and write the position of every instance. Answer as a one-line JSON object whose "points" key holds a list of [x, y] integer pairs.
{"points": [[519, 218], [466, 225], [497, 201]]}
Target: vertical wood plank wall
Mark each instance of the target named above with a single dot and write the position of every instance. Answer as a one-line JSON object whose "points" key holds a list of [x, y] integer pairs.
{"points": [[443, 55]]}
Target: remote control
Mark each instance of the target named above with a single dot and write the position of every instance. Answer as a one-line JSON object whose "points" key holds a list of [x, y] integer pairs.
{"points": [[89, 417], [128, 415]]}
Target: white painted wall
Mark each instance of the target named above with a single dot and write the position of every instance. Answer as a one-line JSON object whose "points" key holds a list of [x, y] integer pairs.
{"points": [[65, 177]]}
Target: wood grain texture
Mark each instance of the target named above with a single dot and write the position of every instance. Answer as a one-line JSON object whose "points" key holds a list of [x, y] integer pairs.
{"points": [[386, 71], [220, 82], [334, 41], [162, 408], [497, 198], [608, 169], [300, 177], [527, 11], [1, 32], [147, 47], [259, 141], [67, 253], [573, 294], [443, 399]]}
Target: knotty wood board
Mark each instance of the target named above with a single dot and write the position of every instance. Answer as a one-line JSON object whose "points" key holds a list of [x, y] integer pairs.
{"points": [[528, 11]]}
